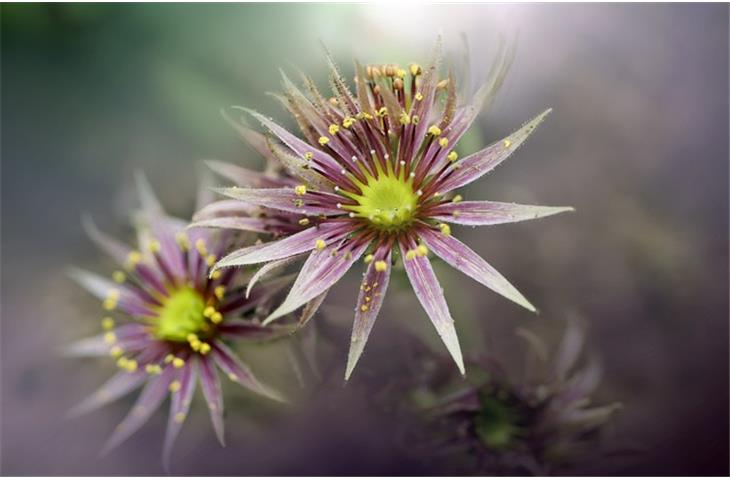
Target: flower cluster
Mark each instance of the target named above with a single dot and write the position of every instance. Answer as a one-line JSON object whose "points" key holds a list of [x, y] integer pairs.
{"points": [[375, 177]]}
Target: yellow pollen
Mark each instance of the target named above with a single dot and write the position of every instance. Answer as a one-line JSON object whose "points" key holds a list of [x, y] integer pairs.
{"points": [[404, 119], [182, 241], [445, 229], [452, 156], [107, 323], [381, 266], [320, 244], [333, 129], [415, 120], [122, 362], [179, 417], [217, 317], [216, 275], [204, 348], [210, 260], [457, 198], [153, 369], [421, 250], [208, 311], [115, 351], [304, 222], [154, 246], [131, 366], [219, 291], [418, 96], [308, 155], [178, 362], [364, 308], [415, 69], [382, 112], [233, 377], [300, 189], [200, 247], [119, 276], [133, 258], [507, 143], [347, 122], [110, 338], [323, 141], [400, 73], [434, 130], [410, 254], [443, 141], [192, 337], [169, 358], [368, 258], [175, 386]]}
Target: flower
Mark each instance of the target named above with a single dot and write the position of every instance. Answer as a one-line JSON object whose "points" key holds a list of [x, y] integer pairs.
{"points": [[377, 173], [531, 426], [168, 323]]}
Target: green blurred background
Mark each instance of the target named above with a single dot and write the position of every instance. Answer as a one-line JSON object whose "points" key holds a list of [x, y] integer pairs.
{"points": [[638, 143]]}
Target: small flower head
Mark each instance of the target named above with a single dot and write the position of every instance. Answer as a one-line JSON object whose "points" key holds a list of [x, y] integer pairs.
{"points": [[168, 322], [382, 186]]}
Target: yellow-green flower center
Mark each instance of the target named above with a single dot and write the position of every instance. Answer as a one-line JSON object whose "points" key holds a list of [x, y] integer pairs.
{"points": [[181, 314], [387, 201]]}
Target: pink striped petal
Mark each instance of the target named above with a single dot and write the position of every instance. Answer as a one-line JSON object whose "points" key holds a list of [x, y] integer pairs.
{"points": [[490, 213], [240, 373], [149, 400], [267, 269], [179, 408], [321, 270], [246, 330], [243, 177], [251, 224], [464, 259], [128, 301], [287, 200], [369, 301], [211, 385], [112, 247], [431, 295], [88, 347], [116, 387], [225, 208], [474, 166], [295, 244], [311, 308]]}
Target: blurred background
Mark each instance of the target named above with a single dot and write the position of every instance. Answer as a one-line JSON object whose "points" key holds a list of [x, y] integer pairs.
{"points": [[637, 142]]}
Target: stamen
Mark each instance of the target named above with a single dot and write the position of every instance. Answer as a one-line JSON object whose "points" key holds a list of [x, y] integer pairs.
{"points": [[445, 229], [323, 141], [434, 130], [320, 244], [300, 189], [452, 156], [381, 266]]}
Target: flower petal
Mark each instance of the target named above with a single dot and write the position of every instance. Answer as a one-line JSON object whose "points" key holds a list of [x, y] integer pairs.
{"points": [[431, 295], [179, 407], [112, 247], [243, 177], [251, 224], [311, 308], [569, 350], [464, 259], [287, 200], [369, 301], [225, 208], [491, 213], [477, 164], [321, 270], [240, 373], [88, 347], [286, 247], [116, 387], [246, 330], [266, 270], [149, 400], [102, 288], [211, 385]]}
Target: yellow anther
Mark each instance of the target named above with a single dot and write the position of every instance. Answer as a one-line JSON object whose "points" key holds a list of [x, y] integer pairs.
{"points": [[107, 323], [182, 240], [303, 222], [200, 247], [410, 254], [210, 260], [300, 189], [404, 119], [219, 291], [368, 258], [216, 275], [323, 141], [319, 244], [208, 311], [179, 417], [233, 377], [443, 141], [445, 229], [119, 276], [333, 101], [457, 198], [308, 155], [122, 362], [217, 317], [175, 386], [333, 129], [347, 122], [382, 112], [364, 308], [434, 130], [204, 348], [110, 338], [133, 258], [415, 69], [507, 143], [116, 351], [452, 156], [195, 345], [154, 246], [442, 84], [178, 362], [381, 266], [418, 96], [169, 358], [153, 369], [192, 337], [421, 250], [400, 73], [415, 119], [109, 304], [131, 366]]}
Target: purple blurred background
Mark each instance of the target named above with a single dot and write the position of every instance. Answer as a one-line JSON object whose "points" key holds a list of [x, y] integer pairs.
{"points": [[637, 142]]}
